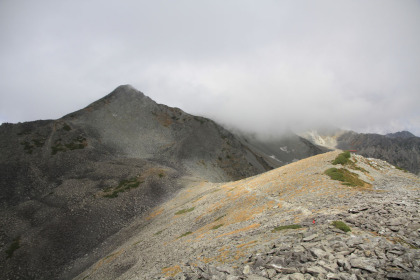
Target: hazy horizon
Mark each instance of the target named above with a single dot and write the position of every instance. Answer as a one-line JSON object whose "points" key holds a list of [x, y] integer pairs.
{"points": [[263, 67]]}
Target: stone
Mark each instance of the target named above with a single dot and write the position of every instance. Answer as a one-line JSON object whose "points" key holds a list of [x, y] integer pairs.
{"points": [[368, 253], [225, 269], [296, 276], [256, 277], [353, 241], [318, 253], [310, 237], [333, 276], [404, 275], [276, 267], [271, 272], [316, 270], [247, 270], [395, 222], [358, 210], [289, 270], [364, 264]]}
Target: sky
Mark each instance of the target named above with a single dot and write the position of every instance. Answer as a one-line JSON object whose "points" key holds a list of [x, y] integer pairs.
{"points": [[260, 66]]}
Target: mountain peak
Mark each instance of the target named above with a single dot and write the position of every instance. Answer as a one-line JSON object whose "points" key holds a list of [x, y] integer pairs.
{"points": [[401, 134], [124, 91]]}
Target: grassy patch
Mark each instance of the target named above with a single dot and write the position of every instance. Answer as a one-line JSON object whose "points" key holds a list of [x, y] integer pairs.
{"points": [[13, 247], [28, 147], [402, 169], [123, 186], [217, 226], [185, 234], [286, 227], [342, 158], [341, 225], [183, 211], [345, 177], [159, 232], [77, 143], [220, 218], [66, 127]]}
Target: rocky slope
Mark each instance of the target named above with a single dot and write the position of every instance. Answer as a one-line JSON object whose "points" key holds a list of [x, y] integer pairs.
{"points": [[279, 225], [69, 185]]}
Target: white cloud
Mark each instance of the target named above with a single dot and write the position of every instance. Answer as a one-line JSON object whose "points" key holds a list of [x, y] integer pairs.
{"points": [[257, 65]]}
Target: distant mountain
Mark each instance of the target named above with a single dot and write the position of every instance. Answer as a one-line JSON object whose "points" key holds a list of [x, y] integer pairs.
{"points": [[400, 134], [281, 150], [68, 185], [400, 151], [401, 148]]}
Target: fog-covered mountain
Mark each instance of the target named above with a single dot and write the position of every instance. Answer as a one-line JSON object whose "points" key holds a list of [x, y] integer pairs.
{"points": [[68, 185]]}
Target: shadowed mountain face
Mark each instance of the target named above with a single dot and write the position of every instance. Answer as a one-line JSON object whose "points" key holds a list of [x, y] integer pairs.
{"points": [[68, 185], [399, 149]]}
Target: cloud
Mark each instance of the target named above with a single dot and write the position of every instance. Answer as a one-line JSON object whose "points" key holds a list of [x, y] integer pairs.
{"points": [[264, 66]]}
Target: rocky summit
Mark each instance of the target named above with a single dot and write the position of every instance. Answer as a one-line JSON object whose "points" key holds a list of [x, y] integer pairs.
{"points": [[294, 222]]}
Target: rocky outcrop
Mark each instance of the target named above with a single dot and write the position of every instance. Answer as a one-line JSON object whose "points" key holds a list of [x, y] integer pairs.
{"points": [[400, 134]]}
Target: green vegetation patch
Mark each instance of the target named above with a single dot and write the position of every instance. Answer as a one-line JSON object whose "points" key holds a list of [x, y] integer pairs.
{"points": [[159, 232], [185, 234], [77, 143], [13, 247], [402, 169], [345, 177], [220, 218], [66, 127], [217, 226], [183, 211], [342, 158], [286, 227], [29, 147], [123, 186], [341, 225]]}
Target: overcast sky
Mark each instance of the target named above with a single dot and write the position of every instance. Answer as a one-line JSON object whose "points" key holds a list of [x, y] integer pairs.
{"points": [[258, 65]]}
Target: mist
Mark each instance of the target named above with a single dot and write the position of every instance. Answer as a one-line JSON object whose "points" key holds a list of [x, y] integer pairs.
{"points": [[263, 67]]}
